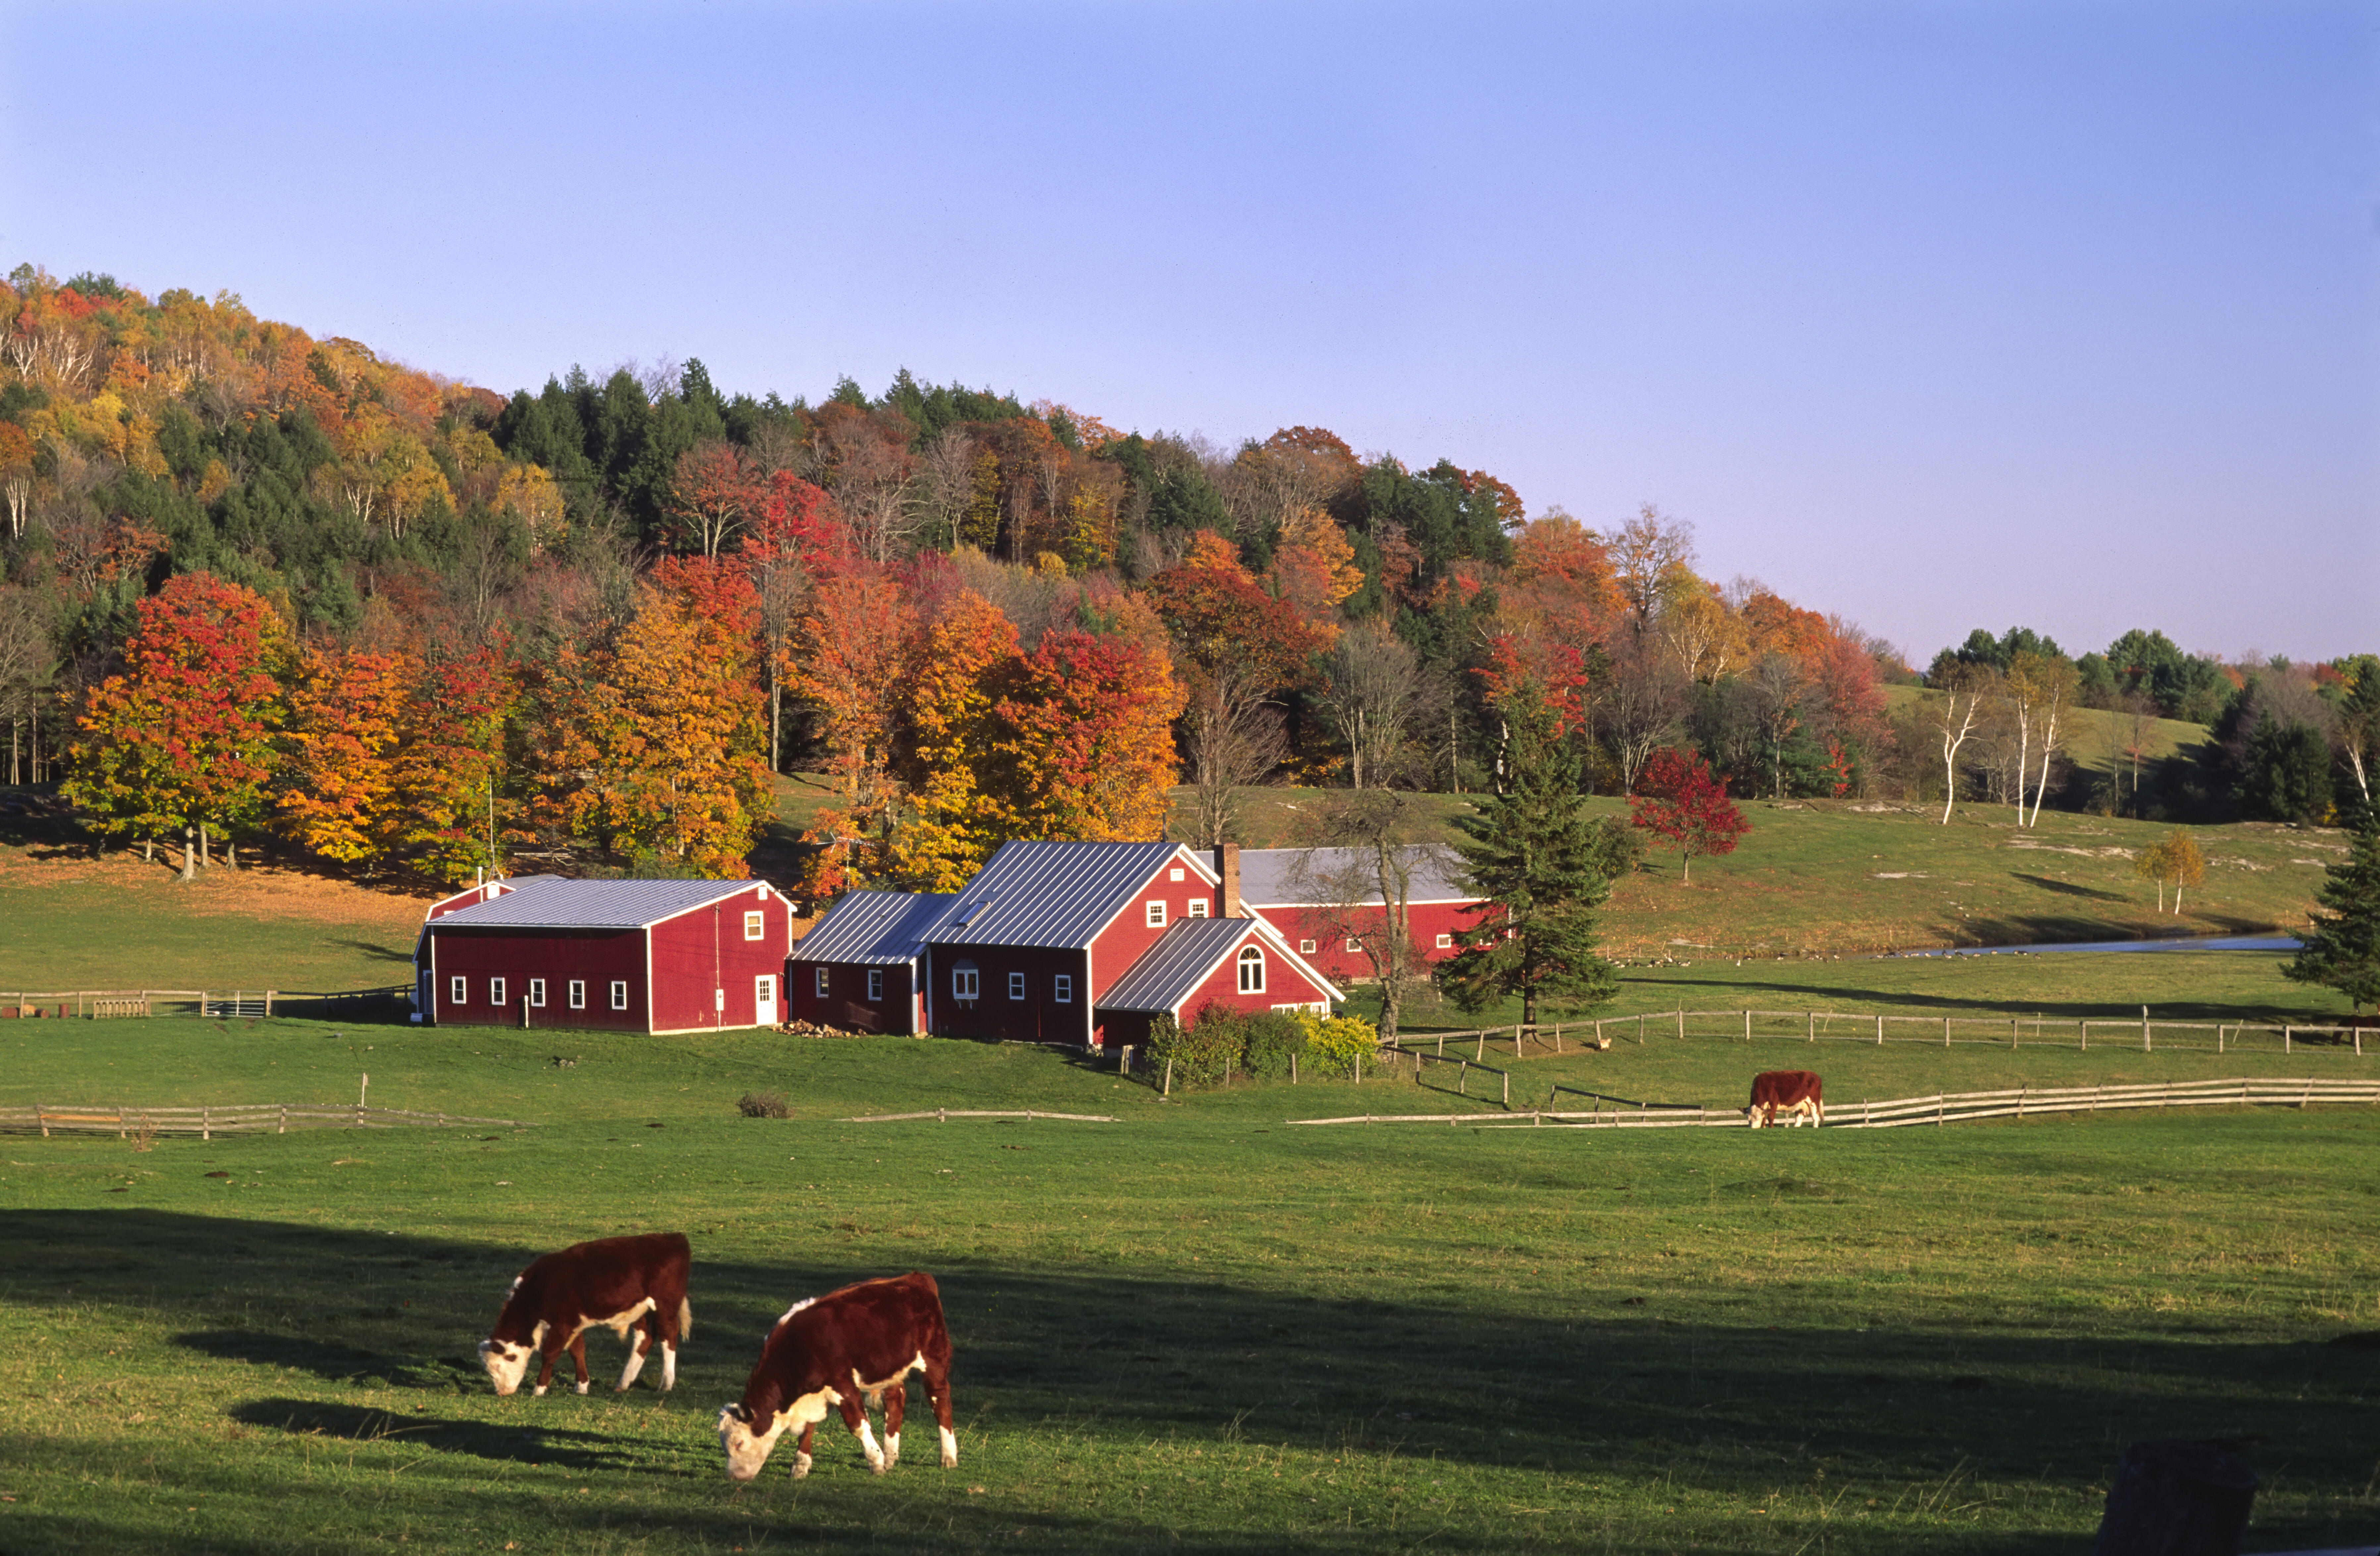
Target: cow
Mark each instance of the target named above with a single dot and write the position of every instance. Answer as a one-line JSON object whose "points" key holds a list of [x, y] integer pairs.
{"points": [[1798, 1092], [847, 1350], [610, 1283]]}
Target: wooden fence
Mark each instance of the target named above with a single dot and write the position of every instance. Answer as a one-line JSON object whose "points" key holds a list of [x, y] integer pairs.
{"points": [[2007, 1029], [1957, 1107], [206, 1122], [222, 1004], [943, 1115]]}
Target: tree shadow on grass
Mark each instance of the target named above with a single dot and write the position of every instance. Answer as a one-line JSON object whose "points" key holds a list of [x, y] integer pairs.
{"points": [[1634, 1379], [2070, 889]]}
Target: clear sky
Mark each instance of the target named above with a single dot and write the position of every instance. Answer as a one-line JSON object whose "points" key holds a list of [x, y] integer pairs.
{"points": [[1935, 314]]}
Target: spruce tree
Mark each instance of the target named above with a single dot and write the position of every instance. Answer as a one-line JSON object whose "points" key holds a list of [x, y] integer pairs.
{"points": [[2342, 949], [1534, 857]]}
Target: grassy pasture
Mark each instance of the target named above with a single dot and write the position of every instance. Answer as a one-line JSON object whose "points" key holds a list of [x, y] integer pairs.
{"points": [[1194, 1327]]}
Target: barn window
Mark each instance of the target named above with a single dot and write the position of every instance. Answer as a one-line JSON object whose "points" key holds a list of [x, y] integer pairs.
{"points": [[1252, 971], [1016, 986], [458, 992], [1175, 874], [619, 993], [1354, 944], [1155, 912], [1445, 941], [1305, 948], [1197, 907], [821, 978], [966, 983], [497, 992], [1063, 990], [537, 993], [577, 993], [755, 924]]}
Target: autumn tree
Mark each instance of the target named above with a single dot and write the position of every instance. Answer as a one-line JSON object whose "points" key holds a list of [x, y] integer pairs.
{"points": [[1088, 739], [1372, 692], [183, 738], [1365, 848], [2340, 948], [338, 790], [1650, 561], [15, 475], [1532, 855], [714, 493], [450, 766], [1683, 805], [2173, 857], [957, 778]]}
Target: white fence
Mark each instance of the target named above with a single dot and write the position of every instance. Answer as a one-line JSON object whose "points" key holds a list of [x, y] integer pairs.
{"points": [[206, 1122], [1954, 1107]]}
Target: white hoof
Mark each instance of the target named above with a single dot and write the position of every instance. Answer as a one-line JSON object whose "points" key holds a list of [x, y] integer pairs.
{"points": [[801, 1465], [950, 1450], [539, 1391], [579, 1388]]}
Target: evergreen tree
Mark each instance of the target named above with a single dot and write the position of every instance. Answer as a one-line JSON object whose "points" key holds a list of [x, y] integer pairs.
{"points": [[2342, 949], [1535, 859]]}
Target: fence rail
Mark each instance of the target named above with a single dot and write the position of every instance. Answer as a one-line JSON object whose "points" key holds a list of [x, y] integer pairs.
{"points": [[1958, 1107], [207, 1122], [943, 1115], [223, 1005], [2001, 1029]]}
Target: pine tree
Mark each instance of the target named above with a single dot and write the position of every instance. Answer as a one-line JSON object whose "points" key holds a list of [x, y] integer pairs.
{"points": [[2342, 949], [1534, 856]]}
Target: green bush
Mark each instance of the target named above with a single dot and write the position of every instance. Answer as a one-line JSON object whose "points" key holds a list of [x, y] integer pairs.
{"points": [[1200, 1056], [1273, 1040], [1222, 1041]]}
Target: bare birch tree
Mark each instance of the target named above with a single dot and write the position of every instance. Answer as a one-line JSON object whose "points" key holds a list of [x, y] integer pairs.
{"points": [[1370, 846], [1952, 713], [1234, 734], [1376, 691]]}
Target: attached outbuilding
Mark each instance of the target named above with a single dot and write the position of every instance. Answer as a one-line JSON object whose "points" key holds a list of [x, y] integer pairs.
{"points": [[1238, 963], [658, 956], [856, 970]]}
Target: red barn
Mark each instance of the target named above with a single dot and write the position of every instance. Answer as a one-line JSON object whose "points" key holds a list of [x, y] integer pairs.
{"points": [[1240, 963], [659, 956], [1327, 902], [857, 967]]}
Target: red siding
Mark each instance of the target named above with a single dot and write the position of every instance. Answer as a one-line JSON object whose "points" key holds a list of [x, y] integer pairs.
{"points": [[557, 955], [1284, 985], [1038, 1017], [1119, 946], [846, 1005], [1334, 960], [704, 949]]}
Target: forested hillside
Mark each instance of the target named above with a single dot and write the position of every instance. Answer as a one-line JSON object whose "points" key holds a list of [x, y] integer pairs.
{"points": [[281, 589]]}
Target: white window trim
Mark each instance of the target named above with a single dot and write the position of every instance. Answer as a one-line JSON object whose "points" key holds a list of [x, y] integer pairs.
{"points": [[1445, 942], [1174, 874], [1016, 986], [1355, 945], [966, 983], [1305, 948], [820, 980], [1197, 908], [619, 993], [1061, 989], [458, 992], [756, 925], [577, 993], [875, 984], [1152, 914], [1251, 960], [496, 990], [537, 993]]}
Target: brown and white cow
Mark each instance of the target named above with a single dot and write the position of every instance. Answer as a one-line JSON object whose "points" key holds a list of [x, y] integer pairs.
{"points": [[847, 1350], [610, 1284], [1798, 1092]]}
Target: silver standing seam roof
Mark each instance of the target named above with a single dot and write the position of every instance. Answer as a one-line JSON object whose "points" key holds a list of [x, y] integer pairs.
{"points": [[1179, 962], [873, 929], [1268, 876], [1054, 896], [548, 902]]}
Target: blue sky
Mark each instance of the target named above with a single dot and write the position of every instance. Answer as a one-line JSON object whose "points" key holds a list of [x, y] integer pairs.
{"points": [[1936, 315]]}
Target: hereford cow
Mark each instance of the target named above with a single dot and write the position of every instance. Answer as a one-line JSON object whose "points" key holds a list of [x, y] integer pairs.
{"points": [[607, 1285], [1798, 1092], [846, 1349]]}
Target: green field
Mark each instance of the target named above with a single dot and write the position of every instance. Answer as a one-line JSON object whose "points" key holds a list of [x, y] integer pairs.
{"points": [[1194, 1327]]}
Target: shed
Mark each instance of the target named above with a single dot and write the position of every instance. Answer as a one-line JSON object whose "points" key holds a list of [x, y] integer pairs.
{"points": [[857, 967], [658, 956]]}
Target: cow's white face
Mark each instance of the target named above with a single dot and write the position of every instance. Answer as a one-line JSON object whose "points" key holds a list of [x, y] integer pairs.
{"points": [[1755, 1115], [507, 1363], [748, 1447]]}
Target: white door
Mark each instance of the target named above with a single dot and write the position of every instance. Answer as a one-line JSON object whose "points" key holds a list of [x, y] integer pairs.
{"points": [[764, 1000]]}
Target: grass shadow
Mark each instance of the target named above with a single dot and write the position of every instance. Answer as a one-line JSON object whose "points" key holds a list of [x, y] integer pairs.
{"points": [[532, 1443], [2068, 888]]}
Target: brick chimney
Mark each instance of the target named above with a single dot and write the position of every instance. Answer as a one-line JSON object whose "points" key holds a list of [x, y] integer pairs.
{"points": [[1227, 865]]}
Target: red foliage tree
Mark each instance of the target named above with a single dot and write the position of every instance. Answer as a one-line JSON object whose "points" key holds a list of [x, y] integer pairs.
{"points": [[1681, 803]]}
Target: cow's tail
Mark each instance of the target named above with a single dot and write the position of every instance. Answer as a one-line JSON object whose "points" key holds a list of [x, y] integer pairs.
{"points": [[685, 1319]]}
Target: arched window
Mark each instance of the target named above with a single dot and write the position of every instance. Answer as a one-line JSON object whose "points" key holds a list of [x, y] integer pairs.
{"points": [[1252, 971]]}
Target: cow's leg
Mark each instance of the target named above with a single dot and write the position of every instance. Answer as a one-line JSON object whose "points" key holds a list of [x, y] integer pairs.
{"points": [[854, 1416], [897, 1401], [549, 1359], [641, 1343], [938, 1394], [669, 1363], [672, 1323], [802, 1450], [578, 1358]]}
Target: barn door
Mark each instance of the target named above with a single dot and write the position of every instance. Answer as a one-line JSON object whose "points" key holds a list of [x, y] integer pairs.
{"points": [[764, 1000]]}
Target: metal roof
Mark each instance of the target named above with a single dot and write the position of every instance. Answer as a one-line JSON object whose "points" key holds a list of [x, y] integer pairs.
{"points": [[1273, 877], [1180, 960], [548, 902], [1054, 894], [873, 928]]}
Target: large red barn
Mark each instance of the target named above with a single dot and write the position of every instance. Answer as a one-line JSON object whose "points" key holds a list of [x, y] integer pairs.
{"points": [[659, 956], [1327, 902]]}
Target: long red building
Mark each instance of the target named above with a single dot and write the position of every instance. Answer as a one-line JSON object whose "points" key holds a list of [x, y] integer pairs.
{"points": [[1327, 902], [659, 956]]}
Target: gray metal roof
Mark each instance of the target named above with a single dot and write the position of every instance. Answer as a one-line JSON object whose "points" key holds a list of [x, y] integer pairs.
{"points": [[1179, 962], [1271, 877], [1053, 895], [874, 928], [548, 902]]}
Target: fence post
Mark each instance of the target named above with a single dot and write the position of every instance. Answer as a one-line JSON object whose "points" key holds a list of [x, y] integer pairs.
{"points": [[2085, 1024], [2218, 1036], [1946, 1040], [268, 1002], [41, 1116], [2145, 1028], [1640, 1032], [284, 1120], [1558, 1048], [1508, 1091], [1463, 1075], [2288, 1035], [1681, 1023], [1879, 1031], [119, 1123], [1293, 1067], [1814, 1025], [206, 1123], [1482, 1055], [1169, 1078], [1441, 1045], [1747, 1026], [2011, 1033]]}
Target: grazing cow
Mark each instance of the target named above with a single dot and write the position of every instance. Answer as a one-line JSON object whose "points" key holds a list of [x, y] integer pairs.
{"points": [[847, 1350], [1798, 1092], [611, 1284]]}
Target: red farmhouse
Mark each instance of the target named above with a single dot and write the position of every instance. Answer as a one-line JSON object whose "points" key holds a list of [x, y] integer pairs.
{"points": [[658, 956], [1068, 942], [1327, 902]]}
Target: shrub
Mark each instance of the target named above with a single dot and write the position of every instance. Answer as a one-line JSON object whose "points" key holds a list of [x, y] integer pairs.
{"points": [[761, 1104], [1338, 1039], [1274, 1038]]}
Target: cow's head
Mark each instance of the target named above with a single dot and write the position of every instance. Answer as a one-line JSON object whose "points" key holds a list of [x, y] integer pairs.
{"points": [[1757, 1115], [506, 1361], [749, 1445]]}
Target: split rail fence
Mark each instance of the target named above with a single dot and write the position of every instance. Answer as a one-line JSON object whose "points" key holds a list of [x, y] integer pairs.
{"points": [[223, 1005], [1955, 1107], [206, 1122], [2011, 1029]]}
